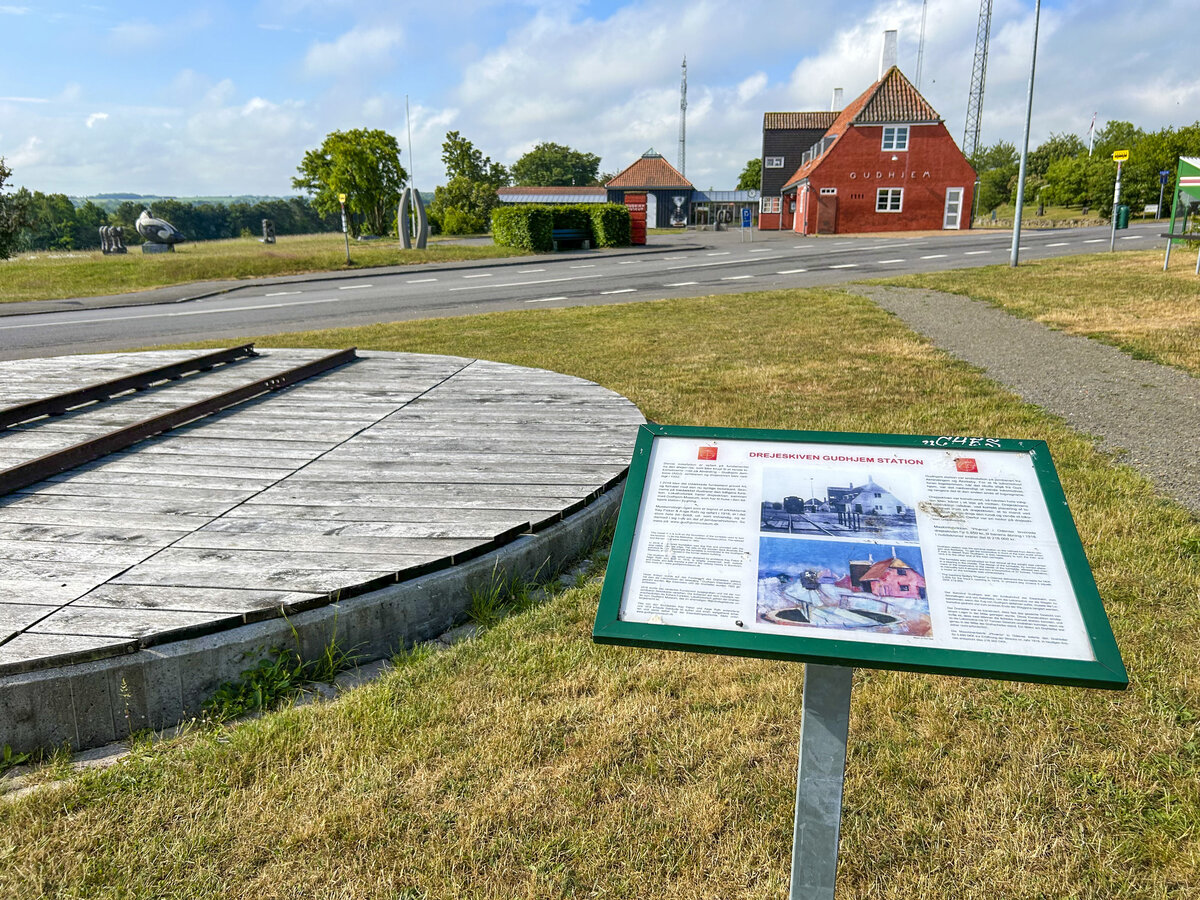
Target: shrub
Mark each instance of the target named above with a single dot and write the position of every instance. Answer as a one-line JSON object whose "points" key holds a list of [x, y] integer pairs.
{"points": [[610, 224], [526, 227]]}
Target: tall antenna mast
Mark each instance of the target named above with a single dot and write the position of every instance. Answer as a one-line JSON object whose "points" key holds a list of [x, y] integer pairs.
{"points": [[921, 43], [978, 75], [683, 121]]}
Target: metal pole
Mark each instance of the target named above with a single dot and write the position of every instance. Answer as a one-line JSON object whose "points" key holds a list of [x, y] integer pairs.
{"points": [[824, 728], [1112, 239], [1016, 241], [346, 233]]}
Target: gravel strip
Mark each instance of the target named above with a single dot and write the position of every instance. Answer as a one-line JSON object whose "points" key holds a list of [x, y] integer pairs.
{"points": [[1149, 413]]}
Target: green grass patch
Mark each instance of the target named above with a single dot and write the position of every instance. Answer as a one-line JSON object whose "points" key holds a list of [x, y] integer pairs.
{"points": [[55, 276], [1124, 299], [531, 763]]}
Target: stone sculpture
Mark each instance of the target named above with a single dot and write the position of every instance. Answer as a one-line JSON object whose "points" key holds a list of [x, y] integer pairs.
{"points": [[161, 236], [112, 239], [268, 228], [411, 222]]}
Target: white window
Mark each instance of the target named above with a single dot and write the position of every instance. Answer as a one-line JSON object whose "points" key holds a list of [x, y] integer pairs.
{"points": [[828, 190], [769, 205], [773, 162], [895, 137], [889, 199]]}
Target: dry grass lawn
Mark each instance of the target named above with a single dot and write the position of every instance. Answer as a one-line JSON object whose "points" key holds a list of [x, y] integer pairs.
{"points": [[1125, 299], [531, 763]]}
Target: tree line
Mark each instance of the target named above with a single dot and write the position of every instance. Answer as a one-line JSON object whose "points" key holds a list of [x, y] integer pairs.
{"points": [[32, 220], [1061, 172]]}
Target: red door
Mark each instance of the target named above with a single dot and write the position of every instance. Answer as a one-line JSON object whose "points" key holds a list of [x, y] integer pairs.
{"points": [[787, 214], [636, 204]]}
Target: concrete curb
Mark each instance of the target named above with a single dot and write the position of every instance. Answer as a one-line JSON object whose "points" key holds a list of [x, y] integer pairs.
{"points": [[95, 703]]}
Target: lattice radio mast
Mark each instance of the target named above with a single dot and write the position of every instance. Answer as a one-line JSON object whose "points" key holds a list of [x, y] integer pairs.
{"points": [[978, 75], [683, 121]]}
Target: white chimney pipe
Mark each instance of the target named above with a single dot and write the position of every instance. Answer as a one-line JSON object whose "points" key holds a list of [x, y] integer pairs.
{"points": [[889, 55], [836, 105]]}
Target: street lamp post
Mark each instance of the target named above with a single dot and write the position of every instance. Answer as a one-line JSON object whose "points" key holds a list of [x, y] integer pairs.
{"points": [[1016, 241]]}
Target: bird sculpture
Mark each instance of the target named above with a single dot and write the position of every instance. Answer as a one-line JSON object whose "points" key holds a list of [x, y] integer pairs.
{"points": [[158, 231]]}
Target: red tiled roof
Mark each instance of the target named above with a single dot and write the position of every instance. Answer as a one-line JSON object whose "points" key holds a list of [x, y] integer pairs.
{"points": [[895, 100], [651, 171], [774, 121], [878, 570], [891, 99]]}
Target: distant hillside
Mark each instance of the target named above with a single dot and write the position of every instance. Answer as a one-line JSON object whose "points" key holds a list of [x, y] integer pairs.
{"points": [[109, 202]]}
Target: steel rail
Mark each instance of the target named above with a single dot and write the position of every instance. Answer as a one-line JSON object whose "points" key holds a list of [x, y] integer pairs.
{"points": [[106, 390], [43, 467]]}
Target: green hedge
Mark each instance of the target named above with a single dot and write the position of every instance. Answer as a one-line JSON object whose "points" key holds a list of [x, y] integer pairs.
{"points": [[525, 226], [610, 224], [530, 226]]}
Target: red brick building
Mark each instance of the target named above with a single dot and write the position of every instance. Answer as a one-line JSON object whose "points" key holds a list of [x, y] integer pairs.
{"points": [[887, 163]]}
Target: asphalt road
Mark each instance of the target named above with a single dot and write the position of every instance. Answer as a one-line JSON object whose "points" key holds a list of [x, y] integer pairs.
{"points": [[685, 265]]}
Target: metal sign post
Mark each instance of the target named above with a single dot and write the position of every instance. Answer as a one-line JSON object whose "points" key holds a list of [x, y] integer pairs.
{"points": [[824, 729], [345, 229], [1119, 156]]}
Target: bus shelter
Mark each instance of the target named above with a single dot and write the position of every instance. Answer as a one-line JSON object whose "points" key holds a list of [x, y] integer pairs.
{"points": [[1185, 205]]}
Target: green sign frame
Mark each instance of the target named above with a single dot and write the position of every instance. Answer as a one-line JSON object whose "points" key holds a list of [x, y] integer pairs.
{"points": [[1106, 670]]}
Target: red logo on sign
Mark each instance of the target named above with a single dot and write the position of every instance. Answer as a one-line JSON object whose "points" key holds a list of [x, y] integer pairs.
{"points": [[707, 453], [966, 464]]}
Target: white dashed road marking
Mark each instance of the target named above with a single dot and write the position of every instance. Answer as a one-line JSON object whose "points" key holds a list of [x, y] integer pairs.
{"points": [[845, 266], [722, 253], [621, 291], [790, 271], [935, 256], [421, 281], [681, 284], [282, 293], [481, 275], [588, 266], [546, 300], [976, 252], [736, 277], [884, 262], [354, 287]]}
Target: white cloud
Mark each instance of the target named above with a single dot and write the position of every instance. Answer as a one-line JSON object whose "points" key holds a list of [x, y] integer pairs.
{"points": [[137, 36], [24, 100], [28, 154], [14, 10], [95, 117], [355, 51]]}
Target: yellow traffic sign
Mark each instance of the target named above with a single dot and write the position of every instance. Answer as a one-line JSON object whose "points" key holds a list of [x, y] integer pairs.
{"points": [[1120, 155], [342, 197]]}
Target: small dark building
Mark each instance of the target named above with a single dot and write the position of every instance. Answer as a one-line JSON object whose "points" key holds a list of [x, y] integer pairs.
{"points": [[668, 193], [786, 137]]}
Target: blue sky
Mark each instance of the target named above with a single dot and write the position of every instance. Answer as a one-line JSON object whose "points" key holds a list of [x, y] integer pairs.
{"points": [[223, 97]]}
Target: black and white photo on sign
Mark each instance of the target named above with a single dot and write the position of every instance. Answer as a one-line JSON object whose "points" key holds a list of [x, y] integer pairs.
{"points": [[852, 502]]}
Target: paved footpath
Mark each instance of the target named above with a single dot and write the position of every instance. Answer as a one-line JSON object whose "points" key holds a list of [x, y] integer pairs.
{"points": [[1146, 412]]}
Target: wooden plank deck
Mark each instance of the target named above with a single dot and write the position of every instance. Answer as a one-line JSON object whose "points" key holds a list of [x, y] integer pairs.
{"points": [[391, 464]]}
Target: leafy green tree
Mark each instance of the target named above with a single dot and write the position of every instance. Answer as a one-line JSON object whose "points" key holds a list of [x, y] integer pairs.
{"points": [[13, 214], [751, 177], [996, 167], [363, 164], [51, 222], [1054, 148], [464, 204], [555, 164]]}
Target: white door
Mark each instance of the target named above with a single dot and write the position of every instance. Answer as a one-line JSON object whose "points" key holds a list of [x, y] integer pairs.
{"points": [[953, 214], [651, 210]]}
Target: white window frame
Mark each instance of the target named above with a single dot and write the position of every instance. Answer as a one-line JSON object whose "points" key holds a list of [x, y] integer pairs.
{"points": [[770, 205], [772, 162], [829, 191], [886, 197], [895, 138]]}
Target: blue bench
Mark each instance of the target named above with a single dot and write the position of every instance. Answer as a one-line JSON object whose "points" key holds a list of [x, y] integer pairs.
{"points": [[570, 236]]}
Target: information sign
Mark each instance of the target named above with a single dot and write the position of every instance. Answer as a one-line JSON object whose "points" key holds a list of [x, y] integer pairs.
{"points": [[1120, 155], [938, 554], [341, 198], [1163, 175], [745, 217]]}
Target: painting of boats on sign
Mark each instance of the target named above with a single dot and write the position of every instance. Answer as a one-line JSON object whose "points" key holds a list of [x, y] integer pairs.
{"points": [[842, 585]]}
